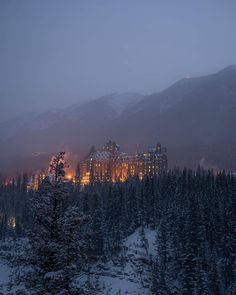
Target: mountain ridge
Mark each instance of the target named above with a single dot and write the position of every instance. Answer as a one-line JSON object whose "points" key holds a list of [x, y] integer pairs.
{"points": [[194, 113]]}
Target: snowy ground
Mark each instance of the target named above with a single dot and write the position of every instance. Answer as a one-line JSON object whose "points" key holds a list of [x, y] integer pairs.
{"points": [[8, 247], [4, 276], [128, 274]]}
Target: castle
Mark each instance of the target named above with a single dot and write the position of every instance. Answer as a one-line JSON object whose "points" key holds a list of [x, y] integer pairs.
{"points": [[110, 165]]}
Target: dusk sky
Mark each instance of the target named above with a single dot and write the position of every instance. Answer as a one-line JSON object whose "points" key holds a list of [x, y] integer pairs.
{"points": [[57, 53]]}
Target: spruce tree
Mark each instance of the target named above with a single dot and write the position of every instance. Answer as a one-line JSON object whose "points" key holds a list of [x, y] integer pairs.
{"points": [[54, 255]]}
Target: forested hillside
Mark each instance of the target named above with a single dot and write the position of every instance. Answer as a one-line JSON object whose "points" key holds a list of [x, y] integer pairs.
{"points": [[191, 213]]}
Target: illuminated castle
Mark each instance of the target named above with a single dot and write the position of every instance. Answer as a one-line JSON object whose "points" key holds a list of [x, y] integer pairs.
{"points": [[110, 165]]}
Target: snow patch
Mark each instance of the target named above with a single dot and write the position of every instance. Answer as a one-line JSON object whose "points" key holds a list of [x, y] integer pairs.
{"points": [[121, 102], [5, 272], [130, 272]]}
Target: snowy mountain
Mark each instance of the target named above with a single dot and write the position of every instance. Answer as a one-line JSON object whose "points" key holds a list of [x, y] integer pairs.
{"points": [[121, 102], [194, 118], [94, 113]]}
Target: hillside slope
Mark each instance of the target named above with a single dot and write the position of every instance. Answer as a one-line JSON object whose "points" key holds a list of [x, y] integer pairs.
{"points": [[194, 118]]}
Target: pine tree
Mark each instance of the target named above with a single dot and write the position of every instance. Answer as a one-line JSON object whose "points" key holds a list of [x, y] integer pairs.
{"points": [[54, 254], [159, 271]]}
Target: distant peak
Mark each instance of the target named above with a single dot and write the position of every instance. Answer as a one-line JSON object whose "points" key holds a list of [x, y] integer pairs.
{"points": [[229, 69], [121, 101]]}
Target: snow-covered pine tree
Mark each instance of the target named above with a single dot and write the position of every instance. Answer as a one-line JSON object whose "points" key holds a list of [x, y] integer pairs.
{"points": [[54, 254]]}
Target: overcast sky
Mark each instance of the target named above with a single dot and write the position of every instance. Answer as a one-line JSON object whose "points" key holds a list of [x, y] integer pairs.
{"points": [[54, 53]]}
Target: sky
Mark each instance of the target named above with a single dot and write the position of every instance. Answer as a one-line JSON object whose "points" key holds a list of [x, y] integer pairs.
{"points": [[56, 53]]}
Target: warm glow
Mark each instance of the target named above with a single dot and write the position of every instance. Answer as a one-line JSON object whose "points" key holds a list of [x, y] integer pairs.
{"points": [[118, 167], [85, 179], [12, 222], [69, 177], [36, 184]]}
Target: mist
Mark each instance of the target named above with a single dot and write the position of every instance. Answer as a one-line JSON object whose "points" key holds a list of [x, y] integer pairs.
{"points": [[57, 53]]}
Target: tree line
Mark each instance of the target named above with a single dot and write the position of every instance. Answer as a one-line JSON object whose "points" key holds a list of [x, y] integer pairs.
{"points": [[193, 214]]}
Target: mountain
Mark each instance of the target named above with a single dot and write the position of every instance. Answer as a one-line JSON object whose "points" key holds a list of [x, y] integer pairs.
{"points": [[198, 104], [194, 118], [120, 102], [73, 128]]}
